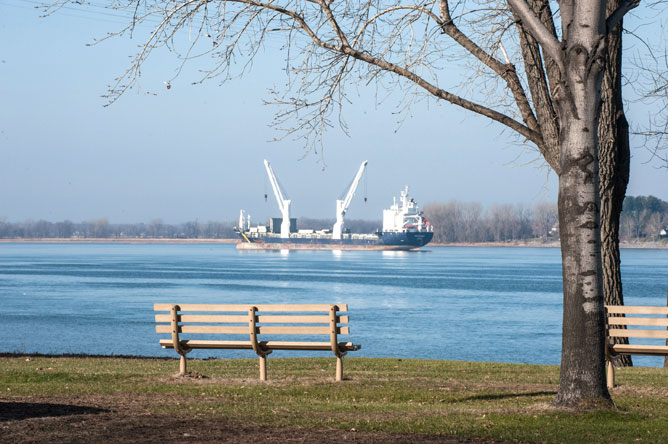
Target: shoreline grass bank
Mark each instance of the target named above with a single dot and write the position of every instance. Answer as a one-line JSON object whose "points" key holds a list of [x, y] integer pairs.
{"points": [[381, 400]]}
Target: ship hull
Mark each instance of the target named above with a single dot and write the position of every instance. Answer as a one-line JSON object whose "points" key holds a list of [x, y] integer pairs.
{"points": [[383, 241]]}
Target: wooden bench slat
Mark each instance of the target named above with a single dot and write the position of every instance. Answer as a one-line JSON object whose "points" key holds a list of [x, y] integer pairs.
{"points": [[299, 319], [204, 329], [203, 307], [229, 319], [243, 330], [270, 345], [271, 330], [625, 320], [636, 333], [243, 319], [294, 308], [283, 345], [639, 349], [192, 343], [636, 309]]}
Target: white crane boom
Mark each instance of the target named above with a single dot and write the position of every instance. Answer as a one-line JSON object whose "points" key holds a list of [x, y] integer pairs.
{"points": [[342, 205], [283, 203]]}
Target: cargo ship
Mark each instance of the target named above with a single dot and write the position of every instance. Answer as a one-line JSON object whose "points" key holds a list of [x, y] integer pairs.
{"points": [[404, 226]]}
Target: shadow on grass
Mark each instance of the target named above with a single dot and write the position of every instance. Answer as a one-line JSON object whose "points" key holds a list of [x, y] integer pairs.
{"points": [[13, 411], [496, 396]]}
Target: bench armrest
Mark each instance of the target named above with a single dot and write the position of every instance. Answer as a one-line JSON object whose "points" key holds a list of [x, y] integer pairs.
{"points": [[333, 337], [180, 349], [252, 327]]}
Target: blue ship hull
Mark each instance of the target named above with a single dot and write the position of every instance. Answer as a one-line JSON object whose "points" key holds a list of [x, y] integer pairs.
{"points": [[387, 240]]}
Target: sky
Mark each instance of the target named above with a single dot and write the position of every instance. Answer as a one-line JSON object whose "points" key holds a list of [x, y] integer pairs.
{"points": [[195, 152]]}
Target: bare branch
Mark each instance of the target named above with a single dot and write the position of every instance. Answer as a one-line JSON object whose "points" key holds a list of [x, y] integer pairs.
{"points": [[440, 93], [540, 76], [616, 17], [547, 40]]}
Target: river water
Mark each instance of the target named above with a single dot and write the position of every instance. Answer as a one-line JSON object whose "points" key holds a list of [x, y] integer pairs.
{"points": [[457, 303]]}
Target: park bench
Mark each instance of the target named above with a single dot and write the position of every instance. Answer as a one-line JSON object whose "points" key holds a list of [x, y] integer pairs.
{"points": [[261, 328], [645, 324]]}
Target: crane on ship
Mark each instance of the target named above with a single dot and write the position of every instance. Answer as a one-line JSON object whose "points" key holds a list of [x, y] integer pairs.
{"points": [[342, 205], [281, 198]]}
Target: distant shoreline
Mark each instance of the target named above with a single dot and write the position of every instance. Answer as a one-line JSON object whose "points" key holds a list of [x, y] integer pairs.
{"points": [[119, 240], [555, 244], [142, 240]]}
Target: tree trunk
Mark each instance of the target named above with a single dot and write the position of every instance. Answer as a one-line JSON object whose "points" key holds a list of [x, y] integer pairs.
{"points": [[582, 381], [614, 161]]}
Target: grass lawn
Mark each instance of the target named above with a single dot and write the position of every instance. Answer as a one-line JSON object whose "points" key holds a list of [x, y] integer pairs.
{"points": [[44, 398]]}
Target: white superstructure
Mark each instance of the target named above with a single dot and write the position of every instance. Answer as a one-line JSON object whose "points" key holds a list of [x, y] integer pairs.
{"points": [[404, 216], [244, 221]]}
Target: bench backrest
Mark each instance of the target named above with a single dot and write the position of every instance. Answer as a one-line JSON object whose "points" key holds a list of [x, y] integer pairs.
{"points": [[253, 320], [637, 321]]}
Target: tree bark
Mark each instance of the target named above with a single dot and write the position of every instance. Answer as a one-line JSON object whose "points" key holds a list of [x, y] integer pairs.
{"points": [[614, 161], [582, 380]]}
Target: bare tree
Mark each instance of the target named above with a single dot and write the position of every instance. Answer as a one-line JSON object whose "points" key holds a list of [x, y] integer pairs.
{"points": [[545, 216], [457, 222], [549, 85], [471, 218], [441, 217], [155, 228], [503, 220]]}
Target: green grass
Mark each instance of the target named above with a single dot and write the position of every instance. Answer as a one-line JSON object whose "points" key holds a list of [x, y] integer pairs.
{"points": [[464, 399]]}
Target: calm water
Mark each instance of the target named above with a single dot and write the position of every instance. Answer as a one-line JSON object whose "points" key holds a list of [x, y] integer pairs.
{"points": [[478, 304]]}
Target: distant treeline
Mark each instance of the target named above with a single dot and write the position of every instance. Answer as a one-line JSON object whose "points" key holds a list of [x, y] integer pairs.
{"points": [[470, 223], [644, 217], [102, 229]]}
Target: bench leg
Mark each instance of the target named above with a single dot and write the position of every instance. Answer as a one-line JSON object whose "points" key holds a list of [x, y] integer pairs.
{"points": [[610, 374], [339, 368], [263, 368], [182, 365]]}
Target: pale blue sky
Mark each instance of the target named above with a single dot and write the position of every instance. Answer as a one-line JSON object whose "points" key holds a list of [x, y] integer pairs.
{"points": [[195, 152]]}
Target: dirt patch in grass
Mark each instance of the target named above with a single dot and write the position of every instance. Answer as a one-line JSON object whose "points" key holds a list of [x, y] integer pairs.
{"points": [[128, 419], [640, 391]]}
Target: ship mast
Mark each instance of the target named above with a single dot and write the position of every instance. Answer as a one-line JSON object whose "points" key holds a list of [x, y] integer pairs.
{"points": [[342, 205], [283, 203]]}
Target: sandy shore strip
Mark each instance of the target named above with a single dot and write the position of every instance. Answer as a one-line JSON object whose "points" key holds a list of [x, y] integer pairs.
{"points": [[121, 240], [551, 244]]}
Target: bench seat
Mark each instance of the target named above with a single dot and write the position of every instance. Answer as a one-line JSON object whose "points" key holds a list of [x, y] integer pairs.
{"points": [[247, 345], [268, 327], [203, 344]]}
